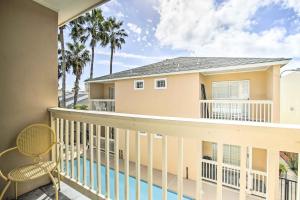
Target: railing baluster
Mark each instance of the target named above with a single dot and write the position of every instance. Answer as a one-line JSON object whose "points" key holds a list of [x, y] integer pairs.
{"points": [[78, 150], [91, 146], [242, 178], [84, 154], [107, 162], [150, 163], [72, 149], [58, 147], [165, 167], [117, 164], [219, 170], [99, 184], [180, 168], [67, 154], [137, 164], [127, 165]]}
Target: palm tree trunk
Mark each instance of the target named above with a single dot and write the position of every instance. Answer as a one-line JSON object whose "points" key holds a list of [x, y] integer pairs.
{"points": [[92, 63], [63, 65], [111, 59], [76, 89]]}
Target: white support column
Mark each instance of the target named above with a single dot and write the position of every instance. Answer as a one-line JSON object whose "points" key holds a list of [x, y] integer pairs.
{"points": [[199, 171], [219, 170], [273, 175], [298, 181], [243, 168], [249, 168]]}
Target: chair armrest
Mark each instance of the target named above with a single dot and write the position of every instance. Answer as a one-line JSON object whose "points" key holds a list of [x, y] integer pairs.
{"points": [[1, 154]]}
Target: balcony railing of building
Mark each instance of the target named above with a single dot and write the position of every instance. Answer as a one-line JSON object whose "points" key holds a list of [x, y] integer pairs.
{"points": [[79, 133], [240, 110], [256, 184], [102, 105]]}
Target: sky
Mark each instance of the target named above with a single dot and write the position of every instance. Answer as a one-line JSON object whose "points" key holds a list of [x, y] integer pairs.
{"points": [[161, 29]]}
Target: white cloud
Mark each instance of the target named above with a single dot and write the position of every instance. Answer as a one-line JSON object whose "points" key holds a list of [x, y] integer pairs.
{"points": [[107, 62], [134, 28], [134, 56], [205, 29], [120, 15]]}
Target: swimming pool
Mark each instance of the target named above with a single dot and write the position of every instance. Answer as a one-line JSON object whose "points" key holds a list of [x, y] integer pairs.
{"points": [[156, 190]]}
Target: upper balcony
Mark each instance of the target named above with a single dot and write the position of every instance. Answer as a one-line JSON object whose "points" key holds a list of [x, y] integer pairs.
{"points": [[240, 110], [101, 97]]}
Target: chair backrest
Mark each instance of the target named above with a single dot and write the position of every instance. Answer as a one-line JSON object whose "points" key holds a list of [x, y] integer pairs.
{"points": [[36, 140]]}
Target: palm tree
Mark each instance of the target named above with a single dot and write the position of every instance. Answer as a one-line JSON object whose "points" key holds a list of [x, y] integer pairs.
{"points": [[63, 65], [116, 36], [77, 57], [96, 30], [77, 29]]}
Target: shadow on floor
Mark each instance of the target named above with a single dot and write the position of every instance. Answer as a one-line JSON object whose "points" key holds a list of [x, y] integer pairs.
{"points": [[46, 192]]}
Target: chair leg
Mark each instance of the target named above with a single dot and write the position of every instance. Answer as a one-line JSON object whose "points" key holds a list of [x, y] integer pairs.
{"points": [[4, 190], [54, 184], [16, 190]]}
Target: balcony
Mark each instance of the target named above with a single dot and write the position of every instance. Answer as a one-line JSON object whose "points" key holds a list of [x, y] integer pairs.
{"points": [[238, 110], [143, 166], [102, 105]]}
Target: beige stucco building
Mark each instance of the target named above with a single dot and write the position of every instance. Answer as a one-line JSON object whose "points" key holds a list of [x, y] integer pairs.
{"points": [[290, 98], [242, 89]]}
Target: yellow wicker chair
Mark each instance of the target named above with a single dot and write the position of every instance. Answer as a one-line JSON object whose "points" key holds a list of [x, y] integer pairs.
{"points": [[34, 141]]}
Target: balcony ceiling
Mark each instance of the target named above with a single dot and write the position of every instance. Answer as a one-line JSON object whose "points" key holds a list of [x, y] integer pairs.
{"points": [[69, 9]]}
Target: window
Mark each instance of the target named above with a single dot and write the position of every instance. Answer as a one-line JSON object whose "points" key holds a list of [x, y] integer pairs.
{"points": [[230, 89], [139, 84], [160, 83], [231, 154], [111, 92]]}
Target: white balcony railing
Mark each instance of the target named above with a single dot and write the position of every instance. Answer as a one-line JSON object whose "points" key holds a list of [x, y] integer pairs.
{"points": [[240, 110], [79, 133], [102, 104], [231, 177]]}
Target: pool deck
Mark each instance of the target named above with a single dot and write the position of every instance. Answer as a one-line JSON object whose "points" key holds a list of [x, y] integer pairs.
{"points": [[209, 189]]}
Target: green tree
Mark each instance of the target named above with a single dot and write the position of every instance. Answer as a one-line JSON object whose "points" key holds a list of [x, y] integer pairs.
{"points": [[62, 65], [116, 36], [96, 32], [77, 57], [77, 29]]}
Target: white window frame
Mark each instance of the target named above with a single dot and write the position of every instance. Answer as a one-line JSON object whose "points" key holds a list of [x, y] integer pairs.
{"points": [[135, 84], [160, 79]]}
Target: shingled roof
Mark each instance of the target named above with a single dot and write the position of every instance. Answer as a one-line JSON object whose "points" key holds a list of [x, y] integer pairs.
{"points": [[186, 64]]}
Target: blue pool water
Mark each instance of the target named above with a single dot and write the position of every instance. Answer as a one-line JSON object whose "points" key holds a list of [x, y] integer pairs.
{"points": [[157, 191]]}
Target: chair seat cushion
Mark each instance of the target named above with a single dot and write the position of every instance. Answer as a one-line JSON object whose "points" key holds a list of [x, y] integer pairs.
{"points": [[32, 171]]}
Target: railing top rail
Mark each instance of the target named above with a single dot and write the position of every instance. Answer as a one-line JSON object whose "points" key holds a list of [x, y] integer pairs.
{"points": [[236, 101], [103, 100], [263, 135]]}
